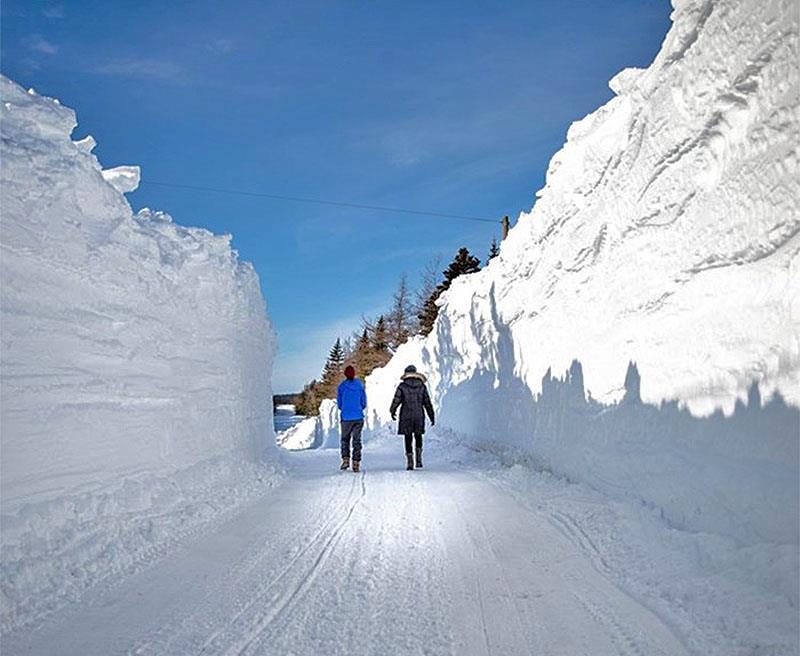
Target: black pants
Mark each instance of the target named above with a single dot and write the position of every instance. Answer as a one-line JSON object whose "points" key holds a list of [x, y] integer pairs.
{"points": [[351, 429], [413, 437]]}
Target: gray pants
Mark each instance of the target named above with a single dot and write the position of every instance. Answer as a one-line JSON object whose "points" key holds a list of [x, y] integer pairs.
{"points": [[351, 429]]}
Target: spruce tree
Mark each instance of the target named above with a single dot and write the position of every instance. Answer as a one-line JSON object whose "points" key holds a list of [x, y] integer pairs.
{"points": [[378, 353], [361, 353], [428, 284], [428, 313], [363, 340], [372, 347], [332, 372], [494, 250], [462, 263], [380, 336]]}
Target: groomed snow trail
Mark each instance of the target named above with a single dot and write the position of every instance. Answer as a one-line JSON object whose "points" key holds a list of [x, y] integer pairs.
{"points": [[438, 561]]}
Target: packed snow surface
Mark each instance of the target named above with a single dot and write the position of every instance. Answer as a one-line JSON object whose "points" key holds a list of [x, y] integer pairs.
{"points": [[465, 556], [136, 361]]}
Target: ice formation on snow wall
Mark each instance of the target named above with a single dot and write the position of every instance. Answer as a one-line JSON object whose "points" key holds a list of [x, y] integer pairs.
{"points": [[667, 235]]}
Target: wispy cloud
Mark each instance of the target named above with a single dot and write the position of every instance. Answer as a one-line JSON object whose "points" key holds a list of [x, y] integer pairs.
{"points": [[220, 46], [141, 67], [38, 43], [54, 11]]}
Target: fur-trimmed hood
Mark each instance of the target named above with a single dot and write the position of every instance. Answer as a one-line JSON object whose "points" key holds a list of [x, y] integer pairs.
{"points": [[414, 374]]}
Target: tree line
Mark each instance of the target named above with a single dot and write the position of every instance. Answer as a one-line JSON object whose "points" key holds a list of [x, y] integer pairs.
{"points": [[283, 399], [412, 312]]}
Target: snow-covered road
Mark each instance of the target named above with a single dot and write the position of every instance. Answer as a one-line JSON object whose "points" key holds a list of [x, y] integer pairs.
{"points": [[438, 561]]}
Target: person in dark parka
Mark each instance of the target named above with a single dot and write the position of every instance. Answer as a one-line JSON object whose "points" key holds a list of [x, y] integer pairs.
{"points": [[414, 401]]}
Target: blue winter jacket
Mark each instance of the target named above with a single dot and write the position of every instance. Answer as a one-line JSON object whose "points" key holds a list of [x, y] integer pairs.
{"points": [[351, 399]]}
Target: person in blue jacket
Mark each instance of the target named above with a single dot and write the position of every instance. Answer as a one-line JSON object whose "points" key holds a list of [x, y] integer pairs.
{"points": [[351, 400]]}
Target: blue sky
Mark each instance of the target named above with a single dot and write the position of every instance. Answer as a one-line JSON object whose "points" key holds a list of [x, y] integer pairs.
{"points": [[444, 106]]}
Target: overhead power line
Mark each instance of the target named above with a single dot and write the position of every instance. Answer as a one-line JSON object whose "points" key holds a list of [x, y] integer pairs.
{"points": [[319, 201]]}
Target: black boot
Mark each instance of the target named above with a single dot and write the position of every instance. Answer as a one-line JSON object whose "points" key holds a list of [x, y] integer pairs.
{"points": [[409, 461], [419, 458]]}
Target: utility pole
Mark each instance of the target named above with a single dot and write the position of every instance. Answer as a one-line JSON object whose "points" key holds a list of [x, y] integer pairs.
{"points": [[504, 223]]}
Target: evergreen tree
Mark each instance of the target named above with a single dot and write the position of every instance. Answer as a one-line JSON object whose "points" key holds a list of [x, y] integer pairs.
{"points": [[380, 336], [372, 347], [428, 313], [308, 400], [494, 250], [428, 284], [361, 353], [380, 353], [400, 316], [363, 340], [332, 373], [462, 263]]}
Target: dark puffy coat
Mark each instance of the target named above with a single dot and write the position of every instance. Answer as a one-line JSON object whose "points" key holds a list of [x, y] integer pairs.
{"points": [[413, 399]]}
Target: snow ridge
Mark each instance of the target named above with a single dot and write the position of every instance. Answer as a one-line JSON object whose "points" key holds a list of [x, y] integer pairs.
{"points": [[136, 362]]}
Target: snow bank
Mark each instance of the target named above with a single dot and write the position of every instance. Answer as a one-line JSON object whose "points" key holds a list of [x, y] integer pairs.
{"points": [[136, 361], [722, 599], [300, 436], [320, 432], [328, 434], [666, 235]]}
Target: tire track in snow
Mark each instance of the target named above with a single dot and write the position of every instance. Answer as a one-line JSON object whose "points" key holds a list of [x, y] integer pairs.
{"points": [[300, 587], [264, 591], [622, 638], [165, 638], [570, 529], [436, 595], [484, 626], [477, 575], [483, 551]]}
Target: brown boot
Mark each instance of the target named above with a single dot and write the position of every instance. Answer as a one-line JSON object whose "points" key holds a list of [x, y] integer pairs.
{"points": [[345, 464], [409, 461], [356, 466]]}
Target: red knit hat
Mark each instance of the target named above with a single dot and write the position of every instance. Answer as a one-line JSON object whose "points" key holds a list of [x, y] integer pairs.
{"points": [[350, 372]]}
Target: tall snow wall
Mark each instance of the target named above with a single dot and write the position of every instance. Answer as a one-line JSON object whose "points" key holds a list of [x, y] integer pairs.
{"points": [[666, 235], [136, 363]]}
